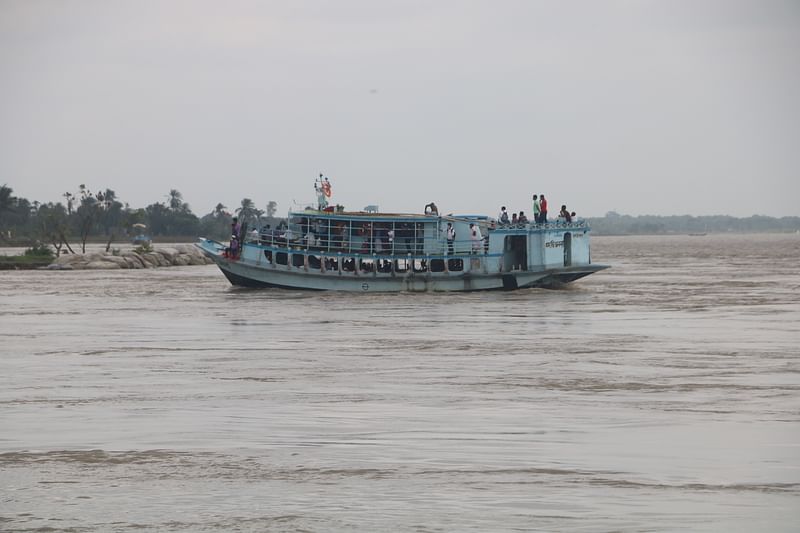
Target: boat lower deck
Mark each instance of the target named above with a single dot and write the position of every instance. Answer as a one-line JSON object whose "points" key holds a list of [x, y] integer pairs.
{"points": [[261, 268]]}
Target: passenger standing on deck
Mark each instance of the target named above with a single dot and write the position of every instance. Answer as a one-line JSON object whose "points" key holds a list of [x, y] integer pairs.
{"points": [[543, 210], [311, 239], [536, 209], [236, 230], [451, 237], [477, 238], [322, 196], [514, 219], [390, 239]]}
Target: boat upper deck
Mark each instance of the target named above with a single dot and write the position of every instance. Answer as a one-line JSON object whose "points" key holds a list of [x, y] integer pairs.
{"points": [[364, 232], [483, 221], [364, 216]]}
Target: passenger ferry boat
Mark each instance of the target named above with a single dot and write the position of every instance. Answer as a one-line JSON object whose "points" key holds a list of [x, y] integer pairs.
{"points": [[381, 252]]}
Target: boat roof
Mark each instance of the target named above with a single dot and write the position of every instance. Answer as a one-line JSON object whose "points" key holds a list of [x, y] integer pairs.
{"points": [[366, 216]]}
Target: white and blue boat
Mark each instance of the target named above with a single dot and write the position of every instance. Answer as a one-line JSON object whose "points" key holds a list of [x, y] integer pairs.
{"points": [[141, 238], [380, 252]]}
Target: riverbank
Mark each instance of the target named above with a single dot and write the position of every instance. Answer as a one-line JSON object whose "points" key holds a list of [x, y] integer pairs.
{"points": [[178, 255]]}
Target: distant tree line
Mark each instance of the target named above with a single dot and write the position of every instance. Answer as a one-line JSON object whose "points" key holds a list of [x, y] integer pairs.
{"points": [[616, 224], [91, 215]]}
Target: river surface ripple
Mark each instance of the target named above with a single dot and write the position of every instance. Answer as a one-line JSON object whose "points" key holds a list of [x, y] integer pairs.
{"points": [[660, 395]]}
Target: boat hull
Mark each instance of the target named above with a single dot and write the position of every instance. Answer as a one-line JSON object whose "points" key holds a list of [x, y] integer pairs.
{"points": [[246, 273]]}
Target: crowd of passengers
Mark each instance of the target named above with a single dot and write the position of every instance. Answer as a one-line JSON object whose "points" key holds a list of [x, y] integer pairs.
{"points": [[539, 214], [366, 238]]}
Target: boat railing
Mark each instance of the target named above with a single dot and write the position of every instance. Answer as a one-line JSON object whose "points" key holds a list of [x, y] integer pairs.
{"points": [[417, 246]]}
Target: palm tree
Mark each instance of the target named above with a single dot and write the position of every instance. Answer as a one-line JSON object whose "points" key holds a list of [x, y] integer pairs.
{"points": [[6, 200], [70, 200], [257, 214], [175, 200], [246, 210], [219, 210], [109, 197], [7, 203]]}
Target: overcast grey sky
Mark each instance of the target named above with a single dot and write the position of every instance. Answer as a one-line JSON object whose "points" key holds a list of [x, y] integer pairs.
{"points": [[643, 107]]}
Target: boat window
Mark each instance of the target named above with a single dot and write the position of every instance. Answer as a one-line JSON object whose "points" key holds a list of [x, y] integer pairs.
{"points": [[455, 265], [384, 266], [366, 265], [314, 262], [401, 265], [298, 260], [348, 264], [437, 265], [268, 255], [281, 258]]}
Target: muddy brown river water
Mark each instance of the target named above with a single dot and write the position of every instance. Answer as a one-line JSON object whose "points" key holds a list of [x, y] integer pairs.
{"points": [[660, 395]]}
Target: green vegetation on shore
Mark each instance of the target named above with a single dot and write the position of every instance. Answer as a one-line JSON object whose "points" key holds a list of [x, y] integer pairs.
{"points": [[34, 257], [100, 216]]}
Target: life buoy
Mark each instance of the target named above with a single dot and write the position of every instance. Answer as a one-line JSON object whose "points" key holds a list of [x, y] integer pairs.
{"points": [[326, 188]]}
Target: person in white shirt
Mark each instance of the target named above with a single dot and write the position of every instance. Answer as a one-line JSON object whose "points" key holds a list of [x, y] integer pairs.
{"points": [[311, 239], [503, 217], [477, 238], [451, 237]]}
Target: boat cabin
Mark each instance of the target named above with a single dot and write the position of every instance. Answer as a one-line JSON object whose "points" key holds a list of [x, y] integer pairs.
{"points": [[388, 243]]}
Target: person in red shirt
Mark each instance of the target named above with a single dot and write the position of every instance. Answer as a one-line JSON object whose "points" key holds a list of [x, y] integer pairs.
{"points": [[543, 209]]}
